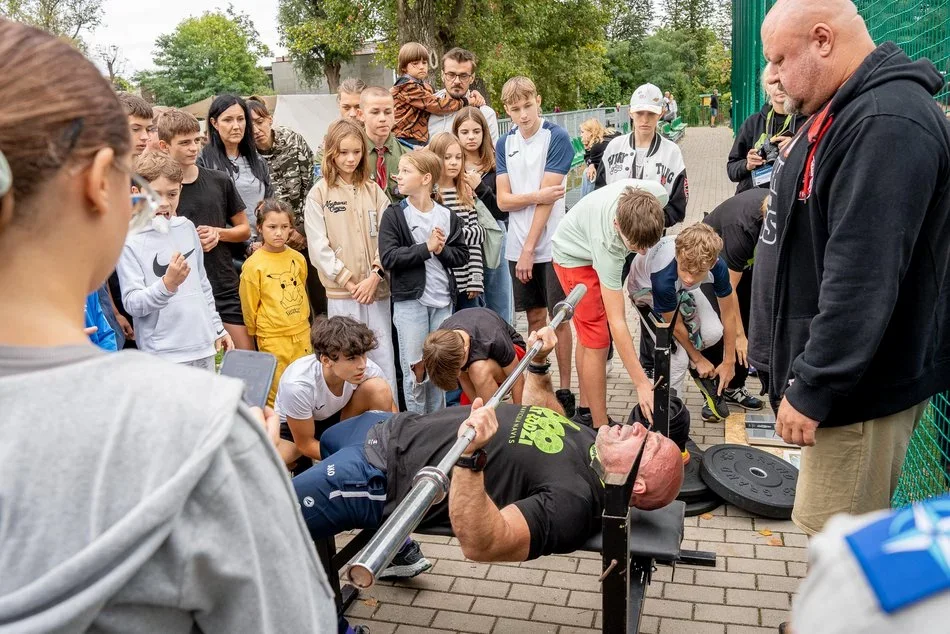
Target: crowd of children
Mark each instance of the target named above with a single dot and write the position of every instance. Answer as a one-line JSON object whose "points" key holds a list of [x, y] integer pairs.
{"points": [[424, 249]]}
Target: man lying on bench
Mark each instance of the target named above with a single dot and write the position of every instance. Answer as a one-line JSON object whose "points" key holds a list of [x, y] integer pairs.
{"points": [[525, 487]]}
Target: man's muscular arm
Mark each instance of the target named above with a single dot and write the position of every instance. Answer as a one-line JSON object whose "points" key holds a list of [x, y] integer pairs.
{"points": [[484, 532]]}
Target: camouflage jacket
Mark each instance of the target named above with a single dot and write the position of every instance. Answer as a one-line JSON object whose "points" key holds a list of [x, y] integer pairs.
{"points": [[291, 168]]}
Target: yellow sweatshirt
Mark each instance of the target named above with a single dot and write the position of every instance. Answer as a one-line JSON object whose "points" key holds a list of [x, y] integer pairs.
{"points": [[274, 293]]}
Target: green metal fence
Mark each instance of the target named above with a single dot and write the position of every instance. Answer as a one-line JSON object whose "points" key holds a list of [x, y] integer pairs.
{"points": [[920, 27]]}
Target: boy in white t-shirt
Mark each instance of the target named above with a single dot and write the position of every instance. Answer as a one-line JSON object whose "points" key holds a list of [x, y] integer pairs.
{"points": [[533, 160], [334, 383]]}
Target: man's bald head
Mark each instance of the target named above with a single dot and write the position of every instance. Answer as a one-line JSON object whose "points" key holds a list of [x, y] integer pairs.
{"points": [[813, 47], [661, 468]]}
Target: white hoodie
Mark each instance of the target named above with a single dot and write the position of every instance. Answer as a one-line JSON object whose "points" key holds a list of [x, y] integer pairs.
{"points": [[180, 326]]}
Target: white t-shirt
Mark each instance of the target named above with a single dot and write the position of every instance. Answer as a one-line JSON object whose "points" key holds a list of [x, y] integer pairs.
{"points": [[444, 122], [303, 392], [436, 292], [525, 162]]}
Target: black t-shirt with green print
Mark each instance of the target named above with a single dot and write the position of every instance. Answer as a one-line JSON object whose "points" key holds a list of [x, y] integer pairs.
{"points": [[538, 461]]}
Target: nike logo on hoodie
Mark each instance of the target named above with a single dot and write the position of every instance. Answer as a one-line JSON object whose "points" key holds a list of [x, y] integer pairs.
{"points": [[161, 269]]}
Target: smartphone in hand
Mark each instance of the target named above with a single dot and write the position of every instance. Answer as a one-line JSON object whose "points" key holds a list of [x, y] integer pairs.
{"points": [[256, 369]]}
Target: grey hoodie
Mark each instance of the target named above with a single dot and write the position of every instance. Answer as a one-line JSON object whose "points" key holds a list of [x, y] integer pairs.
{"points": [[180, 326], [137, 496]]}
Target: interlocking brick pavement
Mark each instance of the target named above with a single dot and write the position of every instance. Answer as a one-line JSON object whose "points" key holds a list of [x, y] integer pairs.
{"points": [[748, 592]]}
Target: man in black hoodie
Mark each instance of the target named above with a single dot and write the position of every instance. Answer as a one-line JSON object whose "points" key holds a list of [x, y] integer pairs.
{"points": [[851, 296]]}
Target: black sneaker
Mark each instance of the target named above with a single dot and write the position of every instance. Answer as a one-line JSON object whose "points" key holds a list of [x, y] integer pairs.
{"points": [[709, 388], [566, 398], [407, 563], [583, 419], [709, 417], [741, 397]]}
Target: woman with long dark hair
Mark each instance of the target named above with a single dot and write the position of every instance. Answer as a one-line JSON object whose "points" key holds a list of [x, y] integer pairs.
{"points": [[231, 149], [158, 466]]}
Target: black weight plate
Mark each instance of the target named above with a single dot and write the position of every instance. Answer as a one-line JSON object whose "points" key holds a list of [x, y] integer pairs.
{"points": [[693, 489], [703, 506], [752, 479]]}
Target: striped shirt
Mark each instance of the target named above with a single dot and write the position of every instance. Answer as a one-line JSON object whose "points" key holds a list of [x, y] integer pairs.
{"points": [[468, 278]]}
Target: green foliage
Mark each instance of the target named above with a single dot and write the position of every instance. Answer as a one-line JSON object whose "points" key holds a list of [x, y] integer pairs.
{"points": [[65, 18], [322, 34], [205, 56]]}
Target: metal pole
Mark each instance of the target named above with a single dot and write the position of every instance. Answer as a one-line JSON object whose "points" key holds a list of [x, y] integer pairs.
{"points": [[432, 483]]}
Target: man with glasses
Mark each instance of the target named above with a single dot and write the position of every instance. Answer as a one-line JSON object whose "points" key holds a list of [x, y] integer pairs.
{"points": [[458, 73]]}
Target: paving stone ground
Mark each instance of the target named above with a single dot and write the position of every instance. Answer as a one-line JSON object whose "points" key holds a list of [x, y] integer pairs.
{"points": [[748, 592]]}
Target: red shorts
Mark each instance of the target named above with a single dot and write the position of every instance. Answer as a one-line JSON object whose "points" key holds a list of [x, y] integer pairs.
{"points": [[519, 355], [590, 316]]}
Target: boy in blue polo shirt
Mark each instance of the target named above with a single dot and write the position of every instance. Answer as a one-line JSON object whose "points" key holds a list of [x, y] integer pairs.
{"points": [[533, 160]]}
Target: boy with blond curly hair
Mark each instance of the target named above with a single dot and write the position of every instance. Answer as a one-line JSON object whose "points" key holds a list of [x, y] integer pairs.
{"points": [[675, 275]]}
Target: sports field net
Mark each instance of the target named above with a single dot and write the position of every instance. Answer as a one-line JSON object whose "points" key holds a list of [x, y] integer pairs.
{"points": [[926, 470]]}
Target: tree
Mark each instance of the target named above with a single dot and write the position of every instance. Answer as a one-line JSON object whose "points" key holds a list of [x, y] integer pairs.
{"points": [[323, 34], [208, 55], [115, 63], [65, 18], [630, 20]]}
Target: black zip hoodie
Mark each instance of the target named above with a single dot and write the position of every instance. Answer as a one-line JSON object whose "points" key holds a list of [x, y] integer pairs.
{"points": [[406, 261], [851, 293], [749, 133]]}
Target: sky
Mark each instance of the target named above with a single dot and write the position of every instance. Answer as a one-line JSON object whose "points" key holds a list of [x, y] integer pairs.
{"points": [[134, 26]]}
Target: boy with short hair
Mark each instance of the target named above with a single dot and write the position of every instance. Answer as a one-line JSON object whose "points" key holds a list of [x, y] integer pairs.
{"points": [[533, 160], [668, 278], [140, 121], [377, 114], [163, 280], [414, 97], [210, 200], [591, 246], [476, 348]]}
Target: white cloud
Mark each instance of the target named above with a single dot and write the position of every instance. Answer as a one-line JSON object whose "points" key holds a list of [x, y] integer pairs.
{"points": [[134, 26]]}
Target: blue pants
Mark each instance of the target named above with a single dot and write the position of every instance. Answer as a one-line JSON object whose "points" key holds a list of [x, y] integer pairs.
{"points": [[498, 293], [343, 491]]}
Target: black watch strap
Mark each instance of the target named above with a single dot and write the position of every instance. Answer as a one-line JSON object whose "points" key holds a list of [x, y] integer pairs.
{"points": [[476, 462]]}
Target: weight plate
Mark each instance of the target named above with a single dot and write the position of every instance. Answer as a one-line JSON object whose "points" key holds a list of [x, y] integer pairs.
{"points": [[752, 479], [693, 489], [703, 506]]}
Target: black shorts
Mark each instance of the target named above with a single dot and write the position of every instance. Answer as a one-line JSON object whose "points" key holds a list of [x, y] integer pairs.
{"points": [[228, 305], [543, 291], [303, 462]]}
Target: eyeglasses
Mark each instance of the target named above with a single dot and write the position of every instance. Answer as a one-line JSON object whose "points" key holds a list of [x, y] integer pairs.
{"points": [[462, 77], [145, 202]]}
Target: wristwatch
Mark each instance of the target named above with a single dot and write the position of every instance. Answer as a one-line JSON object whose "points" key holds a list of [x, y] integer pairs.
{"points": [[379, 272], [539, 368], [476, 462]]}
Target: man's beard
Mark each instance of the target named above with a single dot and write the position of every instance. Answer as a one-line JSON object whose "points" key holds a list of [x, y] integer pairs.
{"points": [[792, 106]]}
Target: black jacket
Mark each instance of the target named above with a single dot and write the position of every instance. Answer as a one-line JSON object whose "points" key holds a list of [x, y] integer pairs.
{"points": [[406, 261], [855, 258], [595, 153], [486, 192], [749, 133]]}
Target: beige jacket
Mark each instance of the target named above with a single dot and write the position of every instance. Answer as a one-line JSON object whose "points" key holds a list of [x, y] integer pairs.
{"points": [[342, 224]]}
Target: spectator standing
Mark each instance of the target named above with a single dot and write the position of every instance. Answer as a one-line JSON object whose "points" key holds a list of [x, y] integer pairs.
{"points": [[595, 138], [738, 221], [533, 160], [231, 150], [342, 215], [851, 319], [472, 129], [714, 108], [291, 171], [414, 98], [143, 445], [348, 102], [210, 200], [458, 197], [420, 242], [384, 150], [761, 136], [458, 75], [273, 291]]}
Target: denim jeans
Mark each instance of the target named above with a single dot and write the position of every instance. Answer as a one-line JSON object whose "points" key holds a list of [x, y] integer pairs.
{"points": [[343, 491], [462, 301], [586, 186], [414, 322], [498, 284]]}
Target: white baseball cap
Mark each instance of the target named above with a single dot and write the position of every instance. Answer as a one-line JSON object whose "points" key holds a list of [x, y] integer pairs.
{"points": [[647, 97]]}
